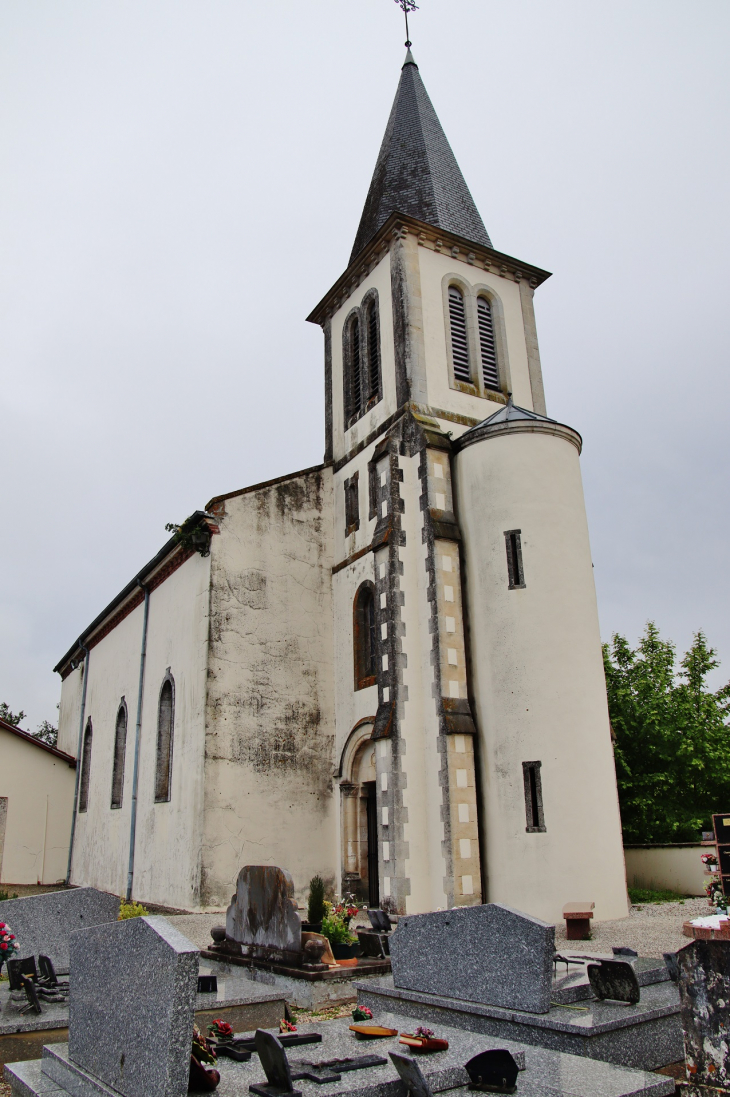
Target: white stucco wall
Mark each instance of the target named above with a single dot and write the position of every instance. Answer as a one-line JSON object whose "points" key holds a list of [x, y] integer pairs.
{"points": [[270, 759], [39, 789], [538, 680], [167, 848], [672, 868]]}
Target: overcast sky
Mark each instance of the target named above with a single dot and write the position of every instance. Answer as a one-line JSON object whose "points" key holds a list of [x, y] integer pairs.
{"points": [[182, 181]]}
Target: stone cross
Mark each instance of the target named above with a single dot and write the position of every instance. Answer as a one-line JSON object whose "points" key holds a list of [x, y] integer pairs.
{"points": [[704, 995], [263, 916], [488, 954], [131, 1011]]}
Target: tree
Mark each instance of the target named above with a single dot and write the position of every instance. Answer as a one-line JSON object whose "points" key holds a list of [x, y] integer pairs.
{"points": [[9, 717], [672, 737]]}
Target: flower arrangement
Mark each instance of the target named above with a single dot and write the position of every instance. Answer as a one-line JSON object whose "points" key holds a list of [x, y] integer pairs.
{"points": [[8, 942], [203, 1050], [424, 1033], [336, 922], [709, 860], [286, 1026], [362, 1013], [221, 1032], [715, 896]]}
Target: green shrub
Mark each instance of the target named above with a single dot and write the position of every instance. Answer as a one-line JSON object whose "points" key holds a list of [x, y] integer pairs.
{"points": [[131, 910], [315, 906], [337, 931]]}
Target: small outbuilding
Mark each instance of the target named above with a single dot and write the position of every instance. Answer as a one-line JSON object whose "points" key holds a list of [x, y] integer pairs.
{"points": [[36, 807]]}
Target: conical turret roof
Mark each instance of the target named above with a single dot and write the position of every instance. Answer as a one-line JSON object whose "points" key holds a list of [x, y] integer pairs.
{"points": [[416, 172]]}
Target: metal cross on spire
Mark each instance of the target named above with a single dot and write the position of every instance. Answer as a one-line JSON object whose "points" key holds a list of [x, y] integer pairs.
{"points": [[406, 6]]}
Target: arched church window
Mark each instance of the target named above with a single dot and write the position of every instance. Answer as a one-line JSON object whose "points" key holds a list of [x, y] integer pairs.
{"points": [[373, 353], [364, 637], [120, 750], [459, 342], [490, 372], [165, 731], [353, 379], [85, 767]]}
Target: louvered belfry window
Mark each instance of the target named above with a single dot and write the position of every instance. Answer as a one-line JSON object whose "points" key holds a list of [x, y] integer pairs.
{"points": [[373, 352], [490, 373], [459, 344], [355, 378]]}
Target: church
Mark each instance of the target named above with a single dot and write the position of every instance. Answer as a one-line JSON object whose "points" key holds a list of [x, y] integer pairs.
{"points": [[385, 669]]}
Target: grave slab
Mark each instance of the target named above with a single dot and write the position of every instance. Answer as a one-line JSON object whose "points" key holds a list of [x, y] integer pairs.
{"points": [[44, 923], [133, 996], [547, 1073], [503, 957], [645, 1036]]}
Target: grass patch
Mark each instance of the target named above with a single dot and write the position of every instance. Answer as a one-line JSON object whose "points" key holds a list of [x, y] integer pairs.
{"points": [[4, 895], [652, 895]]}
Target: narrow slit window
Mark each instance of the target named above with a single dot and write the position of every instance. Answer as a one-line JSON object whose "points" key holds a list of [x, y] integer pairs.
{"points": [[490, 373], [165, 732], [459, 343], [120, 750], [373, 353], [515, 570], [365, 641], [85, 767], [352, 504], [533, 797]]}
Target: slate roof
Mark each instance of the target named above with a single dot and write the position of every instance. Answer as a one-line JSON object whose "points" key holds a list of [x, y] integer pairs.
{"points": [[416, 171], [5, 726]]}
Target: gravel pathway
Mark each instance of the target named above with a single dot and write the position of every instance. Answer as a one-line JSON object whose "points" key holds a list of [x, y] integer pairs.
{"points": [[651, 928]]}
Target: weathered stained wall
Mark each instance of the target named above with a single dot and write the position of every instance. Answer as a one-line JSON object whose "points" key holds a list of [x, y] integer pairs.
{"points": [[269, 726], [167, 848], [38, 789]]}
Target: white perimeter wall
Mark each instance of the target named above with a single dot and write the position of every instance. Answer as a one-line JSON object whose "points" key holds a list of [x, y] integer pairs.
{"points": [[39, 789], [671, 868], [167, 850]]}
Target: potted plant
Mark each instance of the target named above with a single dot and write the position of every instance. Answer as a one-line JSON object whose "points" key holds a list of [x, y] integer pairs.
{"points": [[336, 928], [316, 909], [709, 860]]}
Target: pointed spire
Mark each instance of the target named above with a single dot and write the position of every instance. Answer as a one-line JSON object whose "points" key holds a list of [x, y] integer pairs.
{"points": [[416, 172]]}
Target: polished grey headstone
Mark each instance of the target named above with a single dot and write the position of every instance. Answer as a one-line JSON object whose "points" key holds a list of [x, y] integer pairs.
{"points": [[133, 995], [262, 913], [44, 923], [645, 1036], [547, 1073], [489, 954]]}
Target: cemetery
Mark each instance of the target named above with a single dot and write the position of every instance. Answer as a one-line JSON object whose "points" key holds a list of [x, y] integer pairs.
{"points": [[468, 999]]}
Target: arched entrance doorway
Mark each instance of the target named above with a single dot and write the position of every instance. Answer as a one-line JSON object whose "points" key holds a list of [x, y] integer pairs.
{"points": [[358, 812]]}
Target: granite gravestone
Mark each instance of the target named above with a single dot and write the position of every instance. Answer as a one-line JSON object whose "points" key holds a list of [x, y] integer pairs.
{"points": [[275, 1064], [131, 1012], [263, 916], [488, 954], [704, 995], [411, 1075], [44, 923]]}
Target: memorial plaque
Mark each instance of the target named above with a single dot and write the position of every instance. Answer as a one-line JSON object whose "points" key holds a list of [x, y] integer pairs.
{"points": [[493, 1071], [275, 1065], [614, 979], [411, 1075]]}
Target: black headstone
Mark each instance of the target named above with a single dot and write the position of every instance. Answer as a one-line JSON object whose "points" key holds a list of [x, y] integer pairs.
{"points": [[18, 968], [380, 921], [46, 971], [276, 1067], [411, 1075], [493, 1071], [614, 979]]}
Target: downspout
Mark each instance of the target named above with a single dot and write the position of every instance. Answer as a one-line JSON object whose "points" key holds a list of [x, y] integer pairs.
{"points": [[137, 738], [87, 659]]}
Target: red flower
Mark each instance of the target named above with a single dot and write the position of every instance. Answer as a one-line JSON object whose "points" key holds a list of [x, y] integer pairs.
{"points": [[4, 947]]}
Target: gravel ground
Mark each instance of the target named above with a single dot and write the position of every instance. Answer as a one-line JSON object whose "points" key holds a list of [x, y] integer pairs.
{"points": [[651, 928]]}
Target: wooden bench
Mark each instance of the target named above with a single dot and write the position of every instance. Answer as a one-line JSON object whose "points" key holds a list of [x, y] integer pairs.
{"points": [[578, 920]]}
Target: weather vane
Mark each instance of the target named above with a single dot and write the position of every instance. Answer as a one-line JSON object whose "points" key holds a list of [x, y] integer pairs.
{"points": [[406, 6]]}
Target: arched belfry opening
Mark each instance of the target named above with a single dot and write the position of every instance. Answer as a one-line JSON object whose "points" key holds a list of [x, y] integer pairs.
{"points": [[358, 815]]}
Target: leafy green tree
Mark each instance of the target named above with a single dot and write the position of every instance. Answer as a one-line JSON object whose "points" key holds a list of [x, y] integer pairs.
{"points": [[672, 737], [9, 717]]}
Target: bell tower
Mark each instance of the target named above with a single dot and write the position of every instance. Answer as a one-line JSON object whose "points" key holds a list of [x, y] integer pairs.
{"points": [[467, 649]]}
